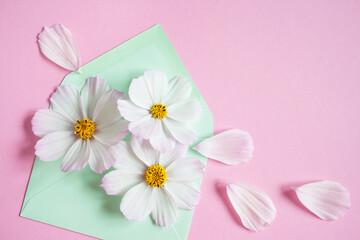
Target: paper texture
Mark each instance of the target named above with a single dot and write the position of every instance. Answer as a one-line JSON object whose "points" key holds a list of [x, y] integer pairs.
{"points": [[74, 200]]}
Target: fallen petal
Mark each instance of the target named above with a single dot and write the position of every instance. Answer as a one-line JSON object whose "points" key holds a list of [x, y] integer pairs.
{"points": [[255, 208], [328, 200], [58, 44], [230, 147]]}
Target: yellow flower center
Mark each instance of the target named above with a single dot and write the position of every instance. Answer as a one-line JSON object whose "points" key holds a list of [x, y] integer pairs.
{"points": [[158, 111], [155, 176], [85, 128]]}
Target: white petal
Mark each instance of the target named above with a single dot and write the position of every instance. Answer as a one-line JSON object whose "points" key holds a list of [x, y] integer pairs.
{"points": [[185, 194], [162, 140], [130, 111], [106, 112], [54, 145], [91, 93], [328, 200], [144, 151], [139, 93], [179, 89], [46, 121], [100, 158], [253, 206], [180, 131], [165, 211], [145, 127], [125, 157], [77, 156], [185, 111], [113, 133], [168, 157], [66, 100], [118, 182], [185, 169], [58, 44], [157, 84], [138, 202], [230, 147]]}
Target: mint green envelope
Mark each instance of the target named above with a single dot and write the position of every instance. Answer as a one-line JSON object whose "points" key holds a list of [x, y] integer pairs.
{"points": [[74, 200]]}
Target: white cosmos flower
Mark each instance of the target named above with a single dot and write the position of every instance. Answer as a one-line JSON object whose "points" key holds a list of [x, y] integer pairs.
{"points": [[152, 182], [80, 128], [161, 111]]}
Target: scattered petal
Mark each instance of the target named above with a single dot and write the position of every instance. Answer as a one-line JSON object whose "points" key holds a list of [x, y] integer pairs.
{"points": [[58, 44], [255, 208], [328, 200], [230, 147]]}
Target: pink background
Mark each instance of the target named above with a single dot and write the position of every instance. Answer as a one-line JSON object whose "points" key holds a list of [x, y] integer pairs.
{"points": [[287, 72]]}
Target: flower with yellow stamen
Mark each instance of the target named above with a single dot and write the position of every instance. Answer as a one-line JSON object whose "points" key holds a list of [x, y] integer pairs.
{"points": [[153, 182]]}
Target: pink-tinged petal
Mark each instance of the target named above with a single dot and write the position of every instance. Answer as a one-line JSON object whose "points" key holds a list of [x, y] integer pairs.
{"points": [[106, 112], [143, 150], [46, 121], [157, 84], [185, 111], [118, 182], [139, 93], [58, 44], [113, 133], [185, 194], [327, 200], [167, 158], [179, 89], [54, 145], [185, 169], [130, 111], [66, 101], [145, 127], [125, 158], [182, 132], [91, 93], [254, 207], [77, 156], [138, 202], [162, 140], [230, 147], [165, 211], [100, 158]]}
